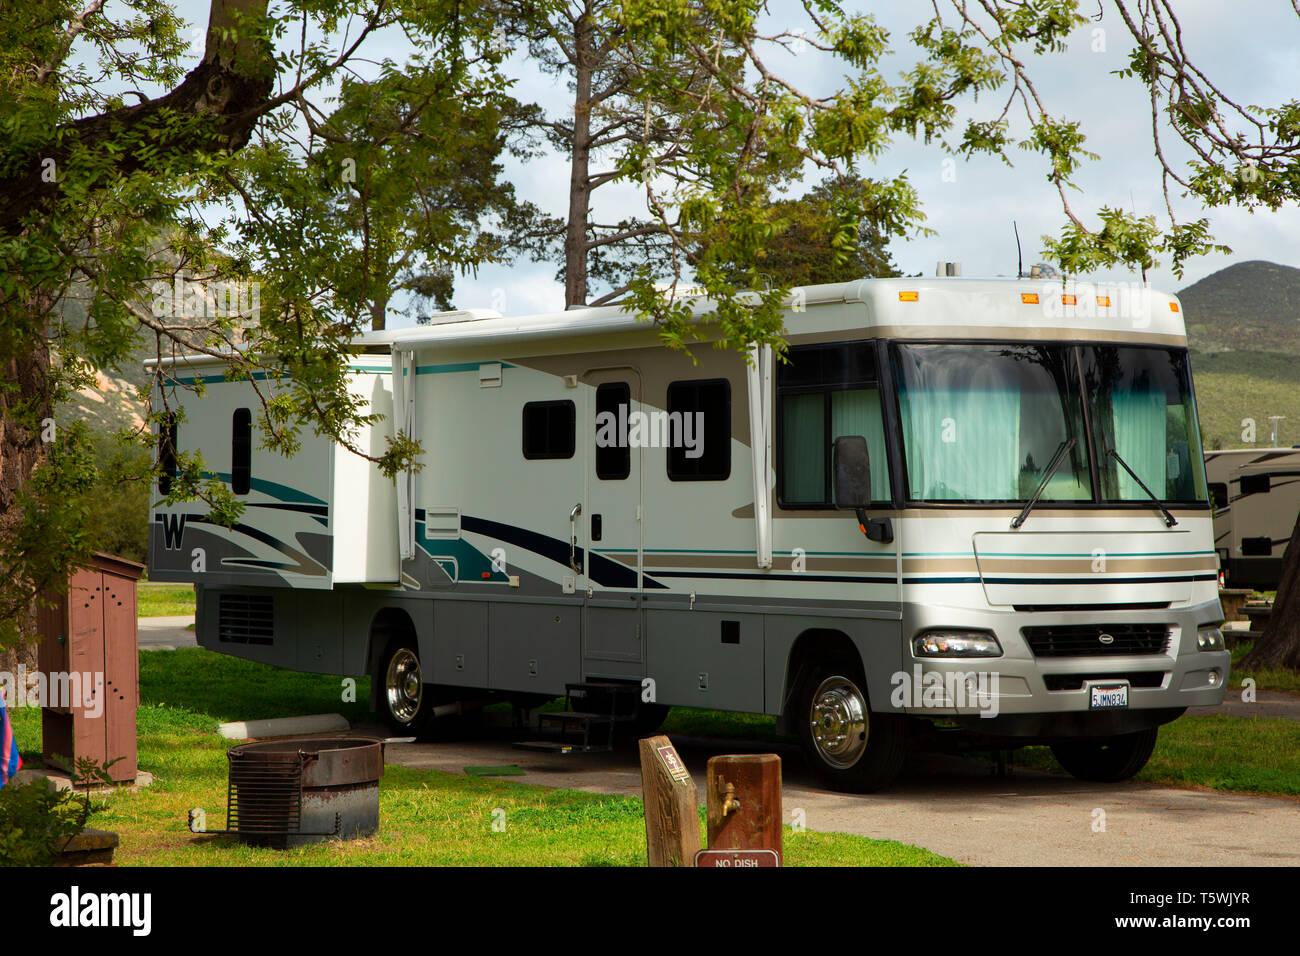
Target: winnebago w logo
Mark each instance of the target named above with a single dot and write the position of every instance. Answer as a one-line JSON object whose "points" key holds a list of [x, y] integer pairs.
{"points": [[173, 530]]}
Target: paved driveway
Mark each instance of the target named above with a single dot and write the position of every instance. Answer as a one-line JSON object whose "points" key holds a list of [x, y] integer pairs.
{"points": [[165, 633], [954, 806]]}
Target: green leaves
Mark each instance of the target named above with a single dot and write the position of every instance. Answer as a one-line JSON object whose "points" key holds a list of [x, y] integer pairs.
{"points": [[1129, 241]]}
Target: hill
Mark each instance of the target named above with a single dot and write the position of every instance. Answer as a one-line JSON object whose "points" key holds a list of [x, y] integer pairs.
{"points": [[1243, 327]]}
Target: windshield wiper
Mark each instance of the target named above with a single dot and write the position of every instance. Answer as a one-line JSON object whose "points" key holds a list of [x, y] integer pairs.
{"points": [[1170, 520], [1052, 465]]}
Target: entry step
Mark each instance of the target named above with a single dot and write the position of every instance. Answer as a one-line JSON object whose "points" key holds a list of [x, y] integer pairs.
{"points": [[550, 746], [587, 724]]}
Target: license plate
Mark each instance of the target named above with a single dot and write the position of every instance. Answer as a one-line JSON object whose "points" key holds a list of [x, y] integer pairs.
{"points": [[1108, 697]]}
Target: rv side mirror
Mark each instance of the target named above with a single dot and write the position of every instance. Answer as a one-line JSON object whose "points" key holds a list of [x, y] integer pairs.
{"points": [[852, 467]]}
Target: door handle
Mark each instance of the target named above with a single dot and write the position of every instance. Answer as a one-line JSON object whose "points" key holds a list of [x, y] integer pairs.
{"points": [[573, 537]]}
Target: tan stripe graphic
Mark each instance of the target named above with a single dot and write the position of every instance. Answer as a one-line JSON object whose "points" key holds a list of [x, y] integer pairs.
{"points": [[780, 562], [991, 565], [1083, 566]]}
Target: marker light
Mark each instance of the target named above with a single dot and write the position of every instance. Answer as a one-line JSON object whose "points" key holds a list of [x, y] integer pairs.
{"points": [[1173, 306], [908, 296], [1103, 301], [1029, 298], [1068, 300]]}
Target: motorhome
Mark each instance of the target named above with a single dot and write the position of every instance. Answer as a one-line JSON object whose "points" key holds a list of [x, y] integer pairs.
{"points": [[973, 504], [1256, 497]]}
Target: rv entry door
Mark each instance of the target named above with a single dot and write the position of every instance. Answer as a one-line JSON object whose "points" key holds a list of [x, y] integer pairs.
{"points": [[612, 511]]}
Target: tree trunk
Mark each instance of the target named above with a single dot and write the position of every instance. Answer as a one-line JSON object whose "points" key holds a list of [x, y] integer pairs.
{"points": [[575, 234], [21, 450], [231, 85], [1279, 645]]}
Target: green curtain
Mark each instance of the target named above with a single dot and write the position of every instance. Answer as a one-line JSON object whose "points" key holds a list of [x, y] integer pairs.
{"points": [[857, 412], [963, 443], [803, 465], [1139, 419]]}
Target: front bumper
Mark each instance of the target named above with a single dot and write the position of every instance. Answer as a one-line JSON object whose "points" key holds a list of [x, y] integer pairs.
{"points": [[1019, 694]]}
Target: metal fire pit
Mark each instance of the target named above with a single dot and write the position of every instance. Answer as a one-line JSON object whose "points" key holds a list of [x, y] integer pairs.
{"points": [[287, 793]]}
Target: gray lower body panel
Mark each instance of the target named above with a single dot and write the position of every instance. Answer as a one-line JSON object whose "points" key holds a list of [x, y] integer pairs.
{"points": [[730, 655]]}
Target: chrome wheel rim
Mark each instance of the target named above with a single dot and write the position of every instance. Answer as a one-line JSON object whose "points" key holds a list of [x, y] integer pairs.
{"points": [[403, 685], [838, 720]]}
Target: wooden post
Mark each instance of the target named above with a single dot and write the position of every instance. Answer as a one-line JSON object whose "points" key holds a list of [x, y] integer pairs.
{"points": [[672, 822], [745, 803]]}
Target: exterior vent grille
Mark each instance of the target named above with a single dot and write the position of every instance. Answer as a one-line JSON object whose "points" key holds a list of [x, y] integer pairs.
{"points": [[1097, 640], [246, 619]]}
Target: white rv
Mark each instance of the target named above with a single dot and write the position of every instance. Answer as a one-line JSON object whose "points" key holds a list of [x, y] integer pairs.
{"points": [[1256, 497], [975, 502]]}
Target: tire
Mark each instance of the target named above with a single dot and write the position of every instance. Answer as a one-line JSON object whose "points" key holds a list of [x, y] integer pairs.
{"points": [[648, 719], [851, 748], [405, 700], [1108, 760]]}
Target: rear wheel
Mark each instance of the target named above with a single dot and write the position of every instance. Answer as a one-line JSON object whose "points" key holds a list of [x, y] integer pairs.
{"points": [[648, 719], [853, 749], [406, 701], [1108, 760]]}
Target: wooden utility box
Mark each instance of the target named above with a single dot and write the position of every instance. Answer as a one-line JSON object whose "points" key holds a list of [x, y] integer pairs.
{"points": [[744, 795], [89, 661]]}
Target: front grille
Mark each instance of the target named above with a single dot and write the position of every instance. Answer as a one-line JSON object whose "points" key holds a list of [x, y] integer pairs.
{"points": [[1075, 681], [245, 619], [1089, 640]]}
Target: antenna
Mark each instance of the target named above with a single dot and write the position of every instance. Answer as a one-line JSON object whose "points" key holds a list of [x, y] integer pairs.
{"points": [[1020, 263]]}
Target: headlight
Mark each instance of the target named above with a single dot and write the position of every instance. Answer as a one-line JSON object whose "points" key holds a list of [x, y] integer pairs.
{"points": [[956, 644], [1209, 639]]}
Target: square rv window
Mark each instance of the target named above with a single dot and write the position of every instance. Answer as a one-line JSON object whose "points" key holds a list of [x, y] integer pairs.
{"points": [[549, 430], [697, 430]]}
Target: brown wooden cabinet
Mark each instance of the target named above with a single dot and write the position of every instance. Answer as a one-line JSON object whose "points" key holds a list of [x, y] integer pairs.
{"points": [[90, 661]]}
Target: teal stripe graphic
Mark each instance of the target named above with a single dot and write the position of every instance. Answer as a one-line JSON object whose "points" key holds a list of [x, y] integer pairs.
{"points": [[271, 488], [454, 367]]}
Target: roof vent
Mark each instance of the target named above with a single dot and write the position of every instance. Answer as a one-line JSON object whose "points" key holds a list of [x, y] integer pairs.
{"points": [[458, 315]]}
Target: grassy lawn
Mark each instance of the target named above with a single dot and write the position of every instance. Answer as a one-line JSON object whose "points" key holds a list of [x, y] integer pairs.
{"points": [[165, 600], [427, 817], [718, 723], [1236, 754], [1275, 679]]}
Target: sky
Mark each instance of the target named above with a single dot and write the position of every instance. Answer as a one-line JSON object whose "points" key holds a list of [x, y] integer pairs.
{"points": [[1248, 47]]}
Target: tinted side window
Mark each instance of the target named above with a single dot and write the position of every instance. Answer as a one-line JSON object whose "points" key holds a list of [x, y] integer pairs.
{"points": [[167, 446], [698, 430], [549, 430], [241, 451], [613, 454]]}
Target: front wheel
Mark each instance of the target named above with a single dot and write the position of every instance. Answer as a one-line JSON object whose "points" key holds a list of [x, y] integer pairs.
{"points": [[1108, 760], [853, 749]]}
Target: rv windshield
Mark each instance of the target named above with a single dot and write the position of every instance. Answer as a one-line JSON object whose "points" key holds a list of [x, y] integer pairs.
{"points": [[1140, 404], [982, 422]]}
